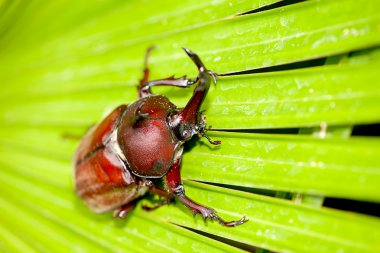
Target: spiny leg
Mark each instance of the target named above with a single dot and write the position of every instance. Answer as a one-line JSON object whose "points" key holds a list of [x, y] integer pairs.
{"points": [[157, 205], [145, 85], [168, 197], [173, 181], [206, 212], [145, 76]]}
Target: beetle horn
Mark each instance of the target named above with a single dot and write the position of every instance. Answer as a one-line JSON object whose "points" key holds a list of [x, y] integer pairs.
{"points": [[194, 57]]}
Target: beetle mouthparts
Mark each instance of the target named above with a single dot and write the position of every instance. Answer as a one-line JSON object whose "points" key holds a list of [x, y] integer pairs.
{"points": [[194, 57]]}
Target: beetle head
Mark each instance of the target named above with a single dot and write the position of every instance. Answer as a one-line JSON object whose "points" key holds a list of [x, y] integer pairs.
{"points": [[189, 121]]}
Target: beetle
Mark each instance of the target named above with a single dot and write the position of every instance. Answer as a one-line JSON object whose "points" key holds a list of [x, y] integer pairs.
{"points": [[137, 149]]}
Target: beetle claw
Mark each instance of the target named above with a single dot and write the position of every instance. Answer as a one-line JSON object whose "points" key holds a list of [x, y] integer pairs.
{"points": [[208, 213], [234, 223]]}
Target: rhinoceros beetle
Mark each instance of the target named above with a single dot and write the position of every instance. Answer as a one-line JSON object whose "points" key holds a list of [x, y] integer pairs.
{"points": [[137, 149]]}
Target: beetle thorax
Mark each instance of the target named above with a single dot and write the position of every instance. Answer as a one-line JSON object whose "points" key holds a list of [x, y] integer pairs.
{"points": [[145, 137]]}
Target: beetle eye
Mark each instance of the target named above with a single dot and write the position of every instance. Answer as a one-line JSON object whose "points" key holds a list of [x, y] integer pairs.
{"points": [[186, 134]]}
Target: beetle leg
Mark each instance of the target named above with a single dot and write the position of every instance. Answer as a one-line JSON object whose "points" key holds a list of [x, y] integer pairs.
{"points": [[168, 197], [182, 82], [145, 76], [156, 190], [173, 181], [144, 86], [166, 201], [122, 211]]}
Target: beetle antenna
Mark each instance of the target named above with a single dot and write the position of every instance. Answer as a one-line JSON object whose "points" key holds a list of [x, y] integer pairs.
{"points": [[217, 142]]}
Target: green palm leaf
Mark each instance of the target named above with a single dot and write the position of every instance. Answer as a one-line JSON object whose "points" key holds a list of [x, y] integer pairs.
{"points": [[308, 69]]}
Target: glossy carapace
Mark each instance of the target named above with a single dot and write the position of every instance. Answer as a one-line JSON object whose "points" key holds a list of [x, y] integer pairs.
{"points": [[137, 149]]}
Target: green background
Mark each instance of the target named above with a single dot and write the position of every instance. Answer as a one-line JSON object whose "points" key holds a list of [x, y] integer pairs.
{"points": [[309, 67]]}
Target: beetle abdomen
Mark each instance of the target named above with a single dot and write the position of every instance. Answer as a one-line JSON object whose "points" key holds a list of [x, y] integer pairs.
{"points": [[95, 138], [101, 177], [103, 182]]}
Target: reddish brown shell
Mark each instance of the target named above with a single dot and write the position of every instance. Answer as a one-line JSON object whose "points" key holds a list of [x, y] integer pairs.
{"points": [[145, 137], [99, 133], [101, 178]]}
